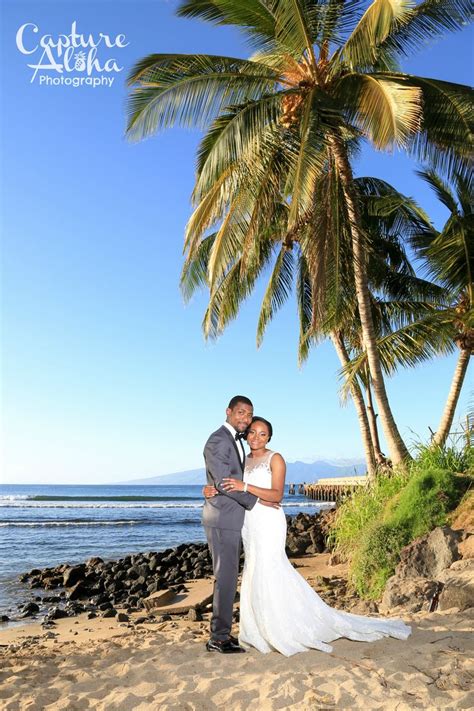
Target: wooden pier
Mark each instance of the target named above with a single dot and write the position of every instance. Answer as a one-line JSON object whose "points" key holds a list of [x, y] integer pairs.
{"points": [[333, 489]]}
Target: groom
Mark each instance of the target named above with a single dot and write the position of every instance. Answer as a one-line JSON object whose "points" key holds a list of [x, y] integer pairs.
{"points": [[223, 518]]}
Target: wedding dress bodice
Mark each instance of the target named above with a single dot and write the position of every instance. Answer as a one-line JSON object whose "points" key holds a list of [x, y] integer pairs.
{"points": [[258, 472]]}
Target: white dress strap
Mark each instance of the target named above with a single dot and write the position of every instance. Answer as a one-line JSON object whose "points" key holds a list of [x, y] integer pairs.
{"points": [[269, 458]]}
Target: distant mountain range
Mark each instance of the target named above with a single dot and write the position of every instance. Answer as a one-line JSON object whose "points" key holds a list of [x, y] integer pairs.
{"points": [[297, 473]]}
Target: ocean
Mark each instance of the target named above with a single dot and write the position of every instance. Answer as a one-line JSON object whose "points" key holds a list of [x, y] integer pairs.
{"points": [[42, 526]]}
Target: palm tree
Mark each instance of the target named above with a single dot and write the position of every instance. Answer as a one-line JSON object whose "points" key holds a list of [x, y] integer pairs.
{"points": [[388, 218], [390, 221], [286, 272], [371, 447], [449, 258], [325, 74]]}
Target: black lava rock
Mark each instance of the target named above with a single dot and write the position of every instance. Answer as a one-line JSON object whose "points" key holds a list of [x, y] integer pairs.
{"points": [[30, 608]]}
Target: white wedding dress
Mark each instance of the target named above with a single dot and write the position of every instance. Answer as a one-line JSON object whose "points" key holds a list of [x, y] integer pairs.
{"points": [[279, 610]]}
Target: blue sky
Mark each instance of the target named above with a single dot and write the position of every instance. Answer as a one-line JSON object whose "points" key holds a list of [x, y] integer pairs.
{"points": [[105, 373]]}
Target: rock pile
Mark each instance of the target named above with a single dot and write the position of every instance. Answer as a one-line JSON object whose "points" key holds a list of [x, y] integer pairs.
{"points": [[307, 534], [98, 586]]}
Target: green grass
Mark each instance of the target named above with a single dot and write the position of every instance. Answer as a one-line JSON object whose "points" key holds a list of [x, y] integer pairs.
{"points": [[452, 458], [357, 513], [374, 525]]}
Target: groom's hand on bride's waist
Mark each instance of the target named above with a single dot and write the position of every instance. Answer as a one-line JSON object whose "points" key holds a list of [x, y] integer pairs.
{"points": [[209, 491]]}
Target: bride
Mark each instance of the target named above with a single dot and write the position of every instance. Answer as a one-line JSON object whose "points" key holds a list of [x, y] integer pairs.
{"points": [[279, 610]]}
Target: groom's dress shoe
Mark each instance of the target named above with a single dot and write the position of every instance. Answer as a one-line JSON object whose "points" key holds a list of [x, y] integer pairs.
{"points": [[234, 642], [226, 646]]}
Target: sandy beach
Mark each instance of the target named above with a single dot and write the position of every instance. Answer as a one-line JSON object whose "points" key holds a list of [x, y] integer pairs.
{"points": [[110, 666]]}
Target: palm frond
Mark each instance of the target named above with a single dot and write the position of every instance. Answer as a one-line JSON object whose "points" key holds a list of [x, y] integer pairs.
{"points": [[232, 290], [294, 22], [400, 285], [305, 302], [327, 250], [269, 216], [451, 254], [253, 17], [194, 273], [427, 21], [209, 211], [250, 204], [249, 186], [393, 315], [305, 172], [363, 48], [382, 200], [446, 137], [307, 157], [190, 90], [388, 112], [230, 236], [234, 135], [409, 346], [463, 182], [340, 16], [277, 292], [440, 187]]}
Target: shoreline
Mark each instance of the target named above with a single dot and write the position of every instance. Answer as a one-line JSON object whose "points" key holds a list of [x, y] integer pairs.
{"points": [[106, 665], [311, 567], [31, 529], [98, 585], [153, 656]]}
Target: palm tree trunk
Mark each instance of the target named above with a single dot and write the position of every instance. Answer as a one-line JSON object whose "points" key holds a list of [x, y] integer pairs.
{"points": [[359, 404], [374, 432], [453, 397], [397, 449]]}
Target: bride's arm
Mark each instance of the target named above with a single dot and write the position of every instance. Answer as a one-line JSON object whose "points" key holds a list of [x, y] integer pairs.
{"points": [[275, 494]]}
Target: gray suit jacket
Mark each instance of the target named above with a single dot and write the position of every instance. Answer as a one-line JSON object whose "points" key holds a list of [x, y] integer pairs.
{"points": [[227, 509]]}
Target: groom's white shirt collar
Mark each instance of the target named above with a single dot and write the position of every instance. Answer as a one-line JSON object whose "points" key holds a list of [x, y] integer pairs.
{"points": [[233, 432], [231, 429]]}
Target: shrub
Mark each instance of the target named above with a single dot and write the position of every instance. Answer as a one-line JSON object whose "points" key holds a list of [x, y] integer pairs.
{"points": [[357, 513], [426, 499], [374, 525], [452, 458], [375, 560]]}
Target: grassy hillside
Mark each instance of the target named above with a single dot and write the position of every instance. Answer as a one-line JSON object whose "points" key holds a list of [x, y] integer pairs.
{"points": [[373, 526]]}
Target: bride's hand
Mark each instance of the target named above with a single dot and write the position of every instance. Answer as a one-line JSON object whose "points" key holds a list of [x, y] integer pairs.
{"points": [[271, 504], [232, 484], [209, 491]]}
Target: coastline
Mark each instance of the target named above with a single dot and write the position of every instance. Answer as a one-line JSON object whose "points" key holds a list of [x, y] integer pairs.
{"points": [[49, 525], [103, 664], [117, 655], [313, 568], [98, 585]]}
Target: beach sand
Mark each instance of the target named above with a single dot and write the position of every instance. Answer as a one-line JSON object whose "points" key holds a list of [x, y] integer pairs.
{"points": [[109, 666]]}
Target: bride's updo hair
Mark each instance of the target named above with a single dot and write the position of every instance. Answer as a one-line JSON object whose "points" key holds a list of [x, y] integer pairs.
{"points": [[255, 418]]}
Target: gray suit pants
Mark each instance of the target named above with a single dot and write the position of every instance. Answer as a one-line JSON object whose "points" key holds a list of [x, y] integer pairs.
{"points": [[225, 551]]}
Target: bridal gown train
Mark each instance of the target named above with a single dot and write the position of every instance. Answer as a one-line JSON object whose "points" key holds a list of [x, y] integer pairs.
{"points": [[279, 610]]}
